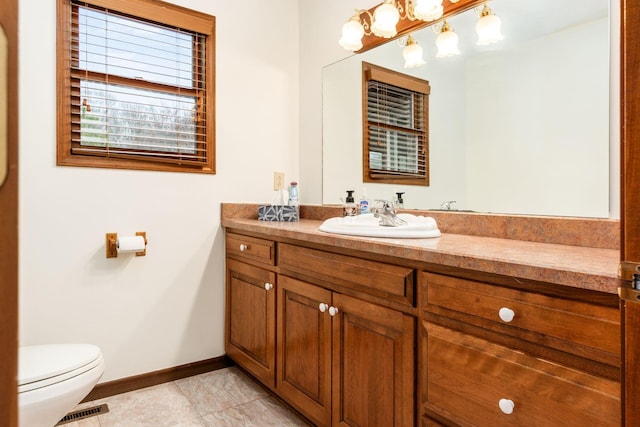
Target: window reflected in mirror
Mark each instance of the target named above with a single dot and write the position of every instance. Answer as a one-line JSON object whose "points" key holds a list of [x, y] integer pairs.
{"points": [[396, 127]]}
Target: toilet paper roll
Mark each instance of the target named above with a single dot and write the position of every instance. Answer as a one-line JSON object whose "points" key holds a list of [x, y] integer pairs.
{"points": [[130, 244]]}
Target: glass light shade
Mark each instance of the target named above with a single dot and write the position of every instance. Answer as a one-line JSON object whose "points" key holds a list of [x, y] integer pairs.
{"points": [[352, 33], [385, 18], [488, 28], [413, 54], [447, 42], [428, 10]]}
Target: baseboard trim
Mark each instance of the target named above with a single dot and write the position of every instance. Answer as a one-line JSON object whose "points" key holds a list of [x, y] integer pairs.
{"points": [[149, 379]]}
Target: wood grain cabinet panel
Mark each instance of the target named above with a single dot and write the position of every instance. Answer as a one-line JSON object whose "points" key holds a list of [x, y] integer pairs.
{"points": [[304, 349], [250, 336], [373, 365], [587, 330], [387, 281], [466, 377]]}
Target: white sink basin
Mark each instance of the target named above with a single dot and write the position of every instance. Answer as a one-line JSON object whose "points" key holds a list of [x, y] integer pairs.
{"points": [[417, 227]]}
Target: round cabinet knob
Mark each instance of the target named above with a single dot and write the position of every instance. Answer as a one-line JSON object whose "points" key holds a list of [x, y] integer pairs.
{"points": [[243, 247], [268, 286], [333, 311], [323, 307], [506, 314], [506, 406]]}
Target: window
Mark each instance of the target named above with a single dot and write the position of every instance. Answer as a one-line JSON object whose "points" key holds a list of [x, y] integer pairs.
{"points": [[135, 86], [395, 127]]}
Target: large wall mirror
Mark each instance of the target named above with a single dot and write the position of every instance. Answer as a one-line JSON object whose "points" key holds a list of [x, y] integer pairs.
{"points": [[524, 126]]}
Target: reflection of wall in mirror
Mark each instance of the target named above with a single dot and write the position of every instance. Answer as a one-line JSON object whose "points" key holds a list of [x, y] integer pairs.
{"points": [[515, 122], [462, 165]]}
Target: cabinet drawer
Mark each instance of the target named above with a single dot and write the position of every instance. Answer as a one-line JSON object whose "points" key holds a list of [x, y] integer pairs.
{"points": [[466, 377], [375, 278], [588, 330], [251, 248]]}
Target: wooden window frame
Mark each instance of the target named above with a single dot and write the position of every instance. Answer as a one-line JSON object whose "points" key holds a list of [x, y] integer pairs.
{"points": [[391, 77], [154, 11]]}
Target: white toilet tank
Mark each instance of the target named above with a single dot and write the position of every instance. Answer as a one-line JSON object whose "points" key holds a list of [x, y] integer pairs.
{"points": [[53, 379]]}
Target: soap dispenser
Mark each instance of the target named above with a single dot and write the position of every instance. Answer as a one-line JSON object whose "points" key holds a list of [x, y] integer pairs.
{"points": [[399, 201], [349, 208], [364, 202]]}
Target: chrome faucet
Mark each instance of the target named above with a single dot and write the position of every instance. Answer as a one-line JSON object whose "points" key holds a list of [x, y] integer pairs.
{"points": [[387, 214], [447, 205]]}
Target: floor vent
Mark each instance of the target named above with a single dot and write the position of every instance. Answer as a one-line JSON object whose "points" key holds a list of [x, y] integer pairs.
{"points": [[84, 413]]}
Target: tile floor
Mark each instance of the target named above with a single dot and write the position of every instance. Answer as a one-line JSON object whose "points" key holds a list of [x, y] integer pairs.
{"points": [[223, 398]]}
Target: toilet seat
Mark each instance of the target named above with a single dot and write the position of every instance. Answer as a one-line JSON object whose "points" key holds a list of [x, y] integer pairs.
{"points": [[43, 365]]}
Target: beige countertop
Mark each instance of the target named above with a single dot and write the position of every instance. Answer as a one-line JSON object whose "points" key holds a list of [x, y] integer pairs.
{"points": [[574, 266]]}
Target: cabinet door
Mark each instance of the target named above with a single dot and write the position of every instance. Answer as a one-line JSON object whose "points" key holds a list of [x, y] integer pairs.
{"points": [[373, 365], [251, 322], [304, 348]]}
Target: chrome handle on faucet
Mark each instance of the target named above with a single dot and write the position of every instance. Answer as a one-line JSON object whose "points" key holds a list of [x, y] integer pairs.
{"points": [[386, 205], [447, 205]]}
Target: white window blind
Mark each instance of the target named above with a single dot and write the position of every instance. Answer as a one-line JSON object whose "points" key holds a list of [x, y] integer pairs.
{"points": [[397, 131], [138, 88]]}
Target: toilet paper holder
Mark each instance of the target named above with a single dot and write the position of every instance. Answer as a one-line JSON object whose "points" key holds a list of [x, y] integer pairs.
{"points": [[112, 244]]}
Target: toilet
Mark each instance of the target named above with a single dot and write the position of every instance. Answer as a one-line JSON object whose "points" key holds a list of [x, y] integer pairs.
{"points": [[53, 379]]}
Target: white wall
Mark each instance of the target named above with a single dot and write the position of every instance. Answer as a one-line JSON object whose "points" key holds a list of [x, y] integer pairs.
{"points": [[553, 153], [320, 29], [167, 308]]}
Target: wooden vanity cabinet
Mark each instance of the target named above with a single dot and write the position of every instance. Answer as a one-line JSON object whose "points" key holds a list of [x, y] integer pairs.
{"points": [[335, 336], [481, 359]]}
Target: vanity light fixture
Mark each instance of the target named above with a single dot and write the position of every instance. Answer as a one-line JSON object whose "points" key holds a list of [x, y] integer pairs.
{"points": [[412, 53], [488, 27], [385, 17], [447, 41]]}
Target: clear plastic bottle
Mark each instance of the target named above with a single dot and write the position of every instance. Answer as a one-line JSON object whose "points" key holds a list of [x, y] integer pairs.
{"points": [[294, 200], [293, 194], [364, 202]]}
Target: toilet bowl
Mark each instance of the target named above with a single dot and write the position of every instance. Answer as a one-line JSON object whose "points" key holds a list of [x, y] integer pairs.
{"points": [[53, 379]]}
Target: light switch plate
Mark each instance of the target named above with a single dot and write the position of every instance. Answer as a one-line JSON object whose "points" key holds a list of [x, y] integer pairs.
{"points": [[278, 181]]}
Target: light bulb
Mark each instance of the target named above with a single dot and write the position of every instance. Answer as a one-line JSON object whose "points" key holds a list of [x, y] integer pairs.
{"points": [[385, 18], [488, 27], [428, 10], [447, 42], [413, 54], [352, 33]]}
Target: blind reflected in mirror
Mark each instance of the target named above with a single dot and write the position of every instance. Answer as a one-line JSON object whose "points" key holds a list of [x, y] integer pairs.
{"points": [[396, 135]]}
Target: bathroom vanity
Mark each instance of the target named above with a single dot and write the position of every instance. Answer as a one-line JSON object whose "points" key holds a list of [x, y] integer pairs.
{"points": [[458, 330]]}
